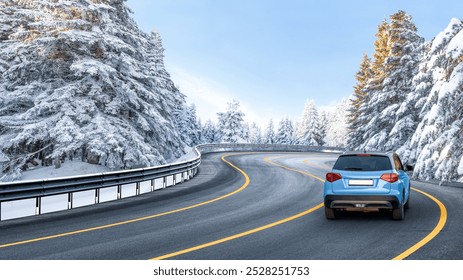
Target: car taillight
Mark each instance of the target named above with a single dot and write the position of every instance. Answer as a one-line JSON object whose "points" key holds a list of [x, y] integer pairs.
{"points": [[390, 177], [331, 177]]}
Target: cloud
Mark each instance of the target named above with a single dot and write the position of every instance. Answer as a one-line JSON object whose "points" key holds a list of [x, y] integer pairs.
{"points": [[208, 97], [211, 97]]}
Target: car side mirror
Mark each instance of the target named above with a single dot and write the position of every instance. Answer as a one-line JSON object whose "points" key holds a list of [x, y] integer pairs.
{"points": [[409, 167]]}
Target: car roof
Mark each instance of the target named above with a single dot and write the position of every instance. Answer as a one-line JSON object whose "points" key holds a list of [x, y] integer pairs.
{"points": [[376, 153]]}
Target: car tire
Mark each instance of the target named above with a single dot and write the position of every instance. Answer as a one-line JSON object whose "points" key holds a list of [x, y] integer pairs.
{"points": [[330, 213], [399, 213]]}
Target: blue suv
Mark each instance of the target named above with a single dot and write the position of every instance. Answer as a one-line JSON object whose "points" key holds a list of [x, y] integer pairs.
{"points": [[367, 181]]}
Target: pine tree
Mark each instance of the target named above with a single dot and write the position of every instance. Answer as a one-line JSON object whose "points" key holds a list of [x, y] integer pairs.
{"points": [[370, 80], [255, 134], [246, 132], [357, 104], [337, 128], [269, 134], [400, 67], [80, 80], [437, 143], [382, 51], [231, 123], [308, 130], [322, 128], [191, 134], [285, 134], [210, 134]]}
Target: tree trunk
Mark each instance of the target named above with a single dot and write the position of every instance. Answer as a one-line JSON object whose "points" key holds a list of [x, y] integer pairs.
{"points": [[57, 162]]}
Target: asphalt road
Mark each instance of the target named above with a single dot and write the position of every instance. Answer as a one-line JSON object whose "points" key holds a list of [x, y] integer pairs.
{"points": [[255, 206]]}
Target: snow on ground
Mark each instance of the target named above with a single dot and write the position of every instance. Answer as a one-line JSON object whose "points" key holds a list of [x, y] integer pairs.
{"points": [[68, 168], [190, 154]]}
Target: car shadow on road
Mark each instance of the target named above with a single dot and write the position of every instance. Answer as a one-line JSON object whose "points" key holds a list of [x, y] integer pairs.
{"points": [[363, 216]]}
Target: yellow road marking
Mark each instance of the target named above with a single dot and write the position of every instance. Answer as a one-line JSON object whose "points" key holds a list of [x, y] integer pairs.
{"points": [[437, 229], [252, 231], [246, 183], [314, 165], [291, 169], [239, 235]]}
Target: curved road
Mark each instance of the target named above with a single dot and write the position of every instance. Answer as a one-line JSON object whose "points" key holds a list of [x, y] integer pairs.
{"points": [[242, 206]]}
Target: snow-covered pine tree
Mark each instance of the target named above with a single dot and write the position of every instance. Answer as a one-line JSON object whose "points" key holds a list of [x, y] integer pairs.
{"points": [[269, 133], [322, 127], [79, 79], [255, 134], [400, 67], [357, 103], [370, 81], [230, 123], [308, 130], [426, 85], [188, 125], [194, 126], [209, 133], [246, 132], [382, 50], [437, 144], [285, 133], [337, 129]]}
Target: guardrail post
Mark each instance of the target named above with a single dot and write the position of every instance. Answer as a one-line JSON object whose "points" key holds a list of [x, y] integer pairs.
{"points": [[164, 182], [119, 191], [70, 196], [183, 177], [38, 205], [97, 196], [137, 188], [153, 182], [174, 179]]}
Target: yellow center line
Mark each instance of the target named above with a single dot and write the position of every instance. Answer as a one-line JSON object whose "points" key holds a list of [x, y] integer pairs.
{"points": [[245, 185], [252, 231], [291, 169], [437, 229], [314, 165]]}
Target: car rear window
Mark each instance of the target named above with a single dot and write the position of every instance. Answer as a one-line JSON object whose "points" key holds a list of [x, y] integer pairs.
{"points": [[363, 163]]}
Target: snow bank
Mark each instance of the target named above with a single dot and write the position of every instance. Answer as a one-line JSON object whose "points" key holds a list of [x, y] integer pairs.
{"points": [[68, 168]]}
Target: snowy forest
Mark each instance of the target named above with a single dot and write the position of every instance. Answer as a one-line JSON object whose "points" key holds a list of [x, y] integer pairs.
{"points": [[315, 128], [409, 98], [80, 81]]}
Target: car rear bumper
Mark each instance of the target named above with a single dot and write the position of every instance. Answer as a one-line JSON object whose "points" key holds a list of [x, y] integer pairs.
{"points": [[362, 201]]}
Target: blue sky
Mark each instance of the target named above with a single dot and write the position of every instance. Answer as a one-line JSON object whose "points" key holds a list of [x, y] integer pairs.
{"points": [[273, 55]]}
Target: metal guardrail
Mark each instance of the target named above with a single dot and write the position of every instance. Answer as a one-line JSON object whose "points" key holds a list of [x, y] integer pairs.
{"points": [[187, 169]]}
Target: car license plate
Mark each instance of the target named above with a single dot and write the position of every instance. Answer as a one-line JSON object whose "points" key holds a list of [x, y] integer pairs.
{"points": [[360, 182]]}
